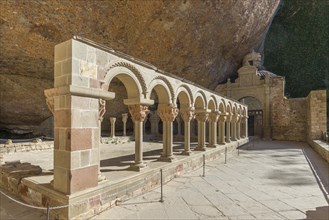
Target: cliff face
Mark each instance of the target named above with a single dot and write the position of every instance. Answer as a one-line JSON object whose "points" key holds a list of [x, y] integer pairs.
{"points": [[202, 41]]}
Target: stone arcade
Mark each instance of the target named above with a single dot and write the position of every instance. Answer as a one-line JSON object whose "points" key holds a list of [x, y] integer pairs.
{"points": [[82, 78]]}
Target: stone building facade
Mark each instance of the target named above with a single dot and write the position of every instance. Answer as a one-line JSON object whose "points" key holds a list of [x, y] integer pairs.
{"points": [[271, 114]]}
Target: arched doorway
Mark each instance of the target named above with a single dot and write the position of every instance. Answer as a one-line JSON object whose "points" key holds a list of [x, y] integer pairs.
{"points": [[255, 114]]}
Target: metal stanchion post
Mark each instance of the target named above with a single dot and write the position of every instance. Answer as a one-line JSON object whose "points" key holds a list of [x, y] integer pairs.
{"points": [[225, 154], [48, 212], [204, 165], [161, 179]]}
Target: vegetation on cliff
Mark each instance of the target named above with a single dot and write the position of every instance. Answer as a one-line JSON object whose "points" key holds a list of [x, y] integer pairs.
{"points": [[297, 46]]}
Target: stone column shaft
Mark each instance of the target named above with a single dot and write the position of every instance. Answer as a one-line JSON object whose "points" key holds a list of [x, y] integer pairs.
{"points": [[228, 129], [138, 114], [221, 129], [124, 121], [187, 115], [167, 113], [201, 117], [112, 120], [213, 118]]}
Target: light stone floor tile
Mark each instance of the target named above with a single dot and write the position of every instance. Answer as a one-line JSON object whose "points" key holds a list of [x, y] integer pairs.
{"points": [[293, 214], [269, 180]]}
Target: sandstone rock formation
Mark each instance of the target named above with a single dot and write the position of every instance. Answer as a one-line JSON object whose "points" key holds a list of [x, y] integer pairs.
{"points": [[202, 41]]}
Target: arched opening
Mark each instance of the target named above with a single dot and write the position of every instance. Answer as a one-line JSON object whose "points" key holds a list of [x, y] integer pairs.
{"points": [[255, 114], [125, 86]]}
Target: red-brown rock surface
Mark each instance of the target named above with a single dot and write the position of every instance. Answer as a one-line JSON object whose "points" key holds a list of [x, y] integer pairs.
{"points": [[203, 41]]}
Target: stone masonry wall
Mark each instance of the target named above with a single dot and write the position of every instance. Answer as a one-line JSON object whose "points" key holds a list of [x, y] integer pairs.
{"points": [[288, 115], [316, 114]]}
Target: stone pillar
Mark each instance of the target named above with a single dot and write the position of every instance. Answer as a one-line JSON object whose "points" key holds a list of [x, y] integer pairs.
{"points": [[167, 113], [213, 118], [201, 117], [138, 114], [187, 116], [144, 123], [192, 124], [228, 128], [154, 119], [244, 125], [221, 128], [238, 129], [234, 122], [112, 120], [102, 110], [124, 121], [179, 127]]}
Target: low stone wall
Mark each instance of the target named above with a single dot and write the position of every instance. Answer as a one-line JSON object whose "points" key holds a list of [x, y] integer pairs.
{"points": [[88, 203], [321, 148], [25, 146]]}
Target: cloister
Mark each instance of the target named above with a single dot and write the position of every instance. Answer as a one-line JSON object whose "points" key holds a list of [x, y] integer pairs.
{"points": [[83, 74]]}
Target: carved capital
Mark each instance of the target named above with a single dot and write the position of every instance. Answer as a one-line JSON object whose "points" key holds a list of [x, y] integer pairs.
{"points": [[235, 118], [124, 117], [229, 117], [222, 118], [201, 116], [214, 116], [187, 114], [138, 112], [167, 112], [50, 94], [102, 109]]}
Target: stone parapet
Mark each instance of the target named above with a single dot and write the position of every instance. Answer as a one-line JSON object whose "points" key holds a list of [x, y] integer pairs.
{"points": [[321, 148], [25, 147]]}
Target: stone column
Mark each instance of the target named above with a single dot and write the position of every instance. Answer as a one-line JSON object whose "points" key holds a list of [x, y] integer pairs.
{"points": [[228, 128], [238, 129], [201, 117], [234, 120], [167, 113], [179, 128], [124, 121], [144, 123], [102, 110], [154, 119], [138, 114], [192, 124], [221, 128], [112, 120], [213, 118], [246, 126], [187, 116]]}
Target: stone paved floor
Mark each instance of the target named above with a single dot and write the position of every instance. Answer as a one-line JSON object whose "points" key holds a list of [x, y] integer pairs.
{"points": [[268, 180]]}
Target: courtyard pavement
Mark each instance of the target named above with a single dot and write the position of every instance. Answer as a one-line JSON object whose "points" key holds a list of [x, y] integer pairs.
{"points": [[268, 180]]}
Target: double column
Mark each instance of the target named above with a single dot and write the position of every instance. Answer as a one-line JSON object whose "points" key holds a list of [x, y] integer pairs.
{"points": [[187, 115], [228, 128], [201, 117], [167, 113], [221, 128], [138, 114], [234, 122], [213, 118], [244, 122]]}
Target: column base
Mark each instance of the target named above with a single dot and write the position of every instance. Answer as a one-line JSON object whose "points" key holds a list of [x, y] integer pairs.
{"points": [[137, 166], [234, 139], [223, 143], [101, 177], [200, 148], [227, 141], [212, 146], [188, 153], [166, 158]]}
